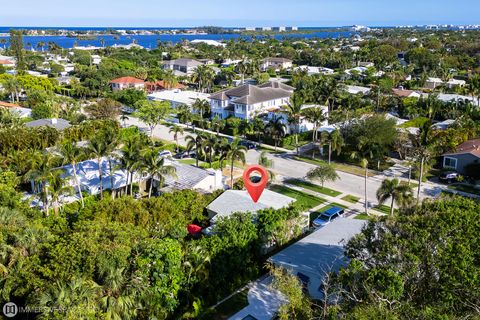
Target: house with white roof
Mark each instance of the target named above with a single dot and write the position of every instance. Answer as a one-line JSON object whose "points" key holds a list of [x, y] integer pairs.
{"points": [[247, 101], [276, 63], [178, 97], [314, 70], [433, 83], [209, 42], [182, 66], [457, 98], [57, 123], [357, 89], [232, 201], [189, 177], [452, 83]]}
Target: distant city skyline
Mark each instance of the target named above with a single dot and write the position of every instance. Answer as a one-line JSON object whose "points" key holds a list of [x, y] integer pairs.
{"points": [[191, 13]]}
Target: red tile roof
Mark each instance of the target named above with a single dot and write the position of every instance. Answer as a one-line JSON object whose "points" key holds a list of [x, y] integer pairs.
{"points": [[8, 105], [6, 62], [127, 80], [470, 146]]}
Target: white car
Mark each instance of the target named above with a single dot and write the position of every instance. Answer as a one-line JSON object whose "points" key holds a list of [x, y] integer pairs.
{"points": [[165, 154]]}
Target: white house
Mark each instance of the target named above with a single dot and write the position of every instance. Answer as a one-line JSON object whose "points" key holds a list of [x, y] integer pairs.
{"points": [[209, 42], [303, 125], [183, 66], [247, 101], [357, 90], [178, 97], [276, 63], [432, 83], [315, 70], [452, 83]]}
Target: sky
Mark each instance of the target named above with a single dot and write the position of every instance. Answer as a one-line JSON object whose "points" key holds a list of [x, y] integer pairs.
{"points": [[190, 13]]}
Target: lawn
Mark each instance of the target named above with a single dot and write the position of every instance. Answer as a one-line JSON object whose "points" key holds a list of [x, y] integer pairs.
{"points": [[313, 187], [465, 188], [351, 199], [362, 216], [414, 123], [304, 200], [188, 161], [384, 209], [348, 168], [315, 214], [231, 306]]}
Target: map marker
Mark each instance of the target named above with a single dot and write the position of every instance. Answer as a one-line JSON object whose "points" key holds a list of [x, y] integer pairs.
{"points": [[255, 189]]}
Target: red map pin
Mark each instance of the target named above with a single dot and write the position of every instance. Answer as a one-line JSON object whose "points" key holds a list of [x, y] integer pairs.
{"points": [[255, 189]]}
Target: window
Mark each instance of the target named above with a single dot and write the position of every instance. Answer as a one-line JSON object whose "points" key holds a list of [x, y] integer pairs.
{"points": [[450, 163]]}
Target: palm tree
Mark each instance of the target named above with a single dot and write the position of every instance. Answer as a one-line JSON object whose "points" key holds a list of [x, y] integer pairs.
{"points": [[203, 76], [208, 145], [423, 144], [276, 129], [3, 41], [236, 152], [129, 160], [363, 154], [13, 87], [202, 106], [242, 68], [335, 143], [316, 116], [222, 148], [176, 130], [57, 187], [110, 137], [169, 79], [99, 149], [267, 163], [39, 173], [195, 143], [71, 154], [155, 167], [217, 124], [399, 193], [294, 112]]}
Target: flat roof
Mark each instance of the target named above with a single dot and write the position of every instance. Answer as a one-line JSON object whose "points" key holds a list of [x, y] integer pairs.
{"points": [[186, 97]]}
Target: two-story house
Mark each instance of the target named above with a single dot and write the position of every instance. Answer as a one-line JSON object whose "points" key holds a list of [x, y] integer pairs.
{"points": [[276, 63], [248, 100], [182, 66]]}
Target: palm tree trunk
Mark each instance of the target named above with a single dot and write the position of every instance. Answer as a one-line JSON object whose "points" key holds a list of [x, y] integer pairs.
{"points": [[150, 189], [330, 152], [420, 178], [231, 174], [131, 183], [391, 206], [78, 185], [46, 199], [100, 177], [366, 200], [111, 178]]}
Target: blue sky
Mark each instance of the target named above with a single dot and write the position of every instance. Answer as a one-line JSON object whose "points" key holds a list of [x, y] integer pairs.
{"points": [[162, 13]]}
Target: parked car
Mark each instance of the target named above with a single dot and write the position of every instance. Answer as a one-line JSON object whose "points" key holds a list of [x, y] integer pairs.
{"points": [[184, 155], [165, 154], [328, 216], [249, 145], [449, 176]]}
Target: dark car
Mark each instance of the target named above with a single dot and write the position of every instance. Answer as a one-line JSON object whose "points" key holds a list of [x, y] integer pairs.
{"points": [[249, 145], [449, 176]]}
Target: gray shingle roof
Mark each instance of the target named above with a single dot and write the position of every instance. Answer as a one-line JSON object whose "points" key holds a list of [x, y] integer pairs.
{"points": [[250, 94], [187, 176], [57, 123], [184, 62], [232, 201]]}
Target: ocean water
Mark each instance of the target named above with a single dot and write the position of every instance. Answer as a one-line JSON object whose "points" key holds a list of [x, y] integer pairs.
{"points": [[150, 41]]}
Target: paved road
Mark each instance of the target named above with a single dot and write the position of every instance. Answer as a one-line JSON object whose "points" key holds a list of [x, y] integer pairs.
{"points": [[286, 167]]}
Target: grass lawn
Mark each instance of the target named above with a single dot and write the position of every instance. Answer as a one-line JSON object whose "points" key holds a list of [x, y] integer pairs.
{"points": [[304, 200], [231, 306], [414, 123], [351, 199], [362, 216], [188, 161], [314, 187], [465, 188], [385, 209], [348, 168], [315, 214]]}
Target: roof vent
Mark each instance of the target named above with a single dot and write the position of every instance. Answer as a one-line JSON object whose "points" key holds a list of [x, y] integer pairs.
{"points": [[54, 120]]}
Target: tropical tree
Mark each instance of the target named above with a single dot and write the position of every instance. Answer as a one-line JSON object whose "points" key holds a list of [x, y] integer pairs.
{"points": [[423, 143], [124, 118], [203, 76], [335, 143], [236, 152], [152, 113], [315, 115], [276, 130], [202, 106], [155, 167], [176, 130], [99, 149], [39, 172], [399, 193], [217, 124], [184, 114], [267, 163], [363, 154], [71, 155], [195, 143], [130, 161], [208, 145], [324, 172], [294, 112], [111, 140], [57, 187]]}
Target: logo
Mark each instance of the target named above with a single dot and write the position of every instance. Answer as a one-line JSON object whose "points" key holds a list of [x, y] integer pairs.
{"points": [[10, 309]]}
